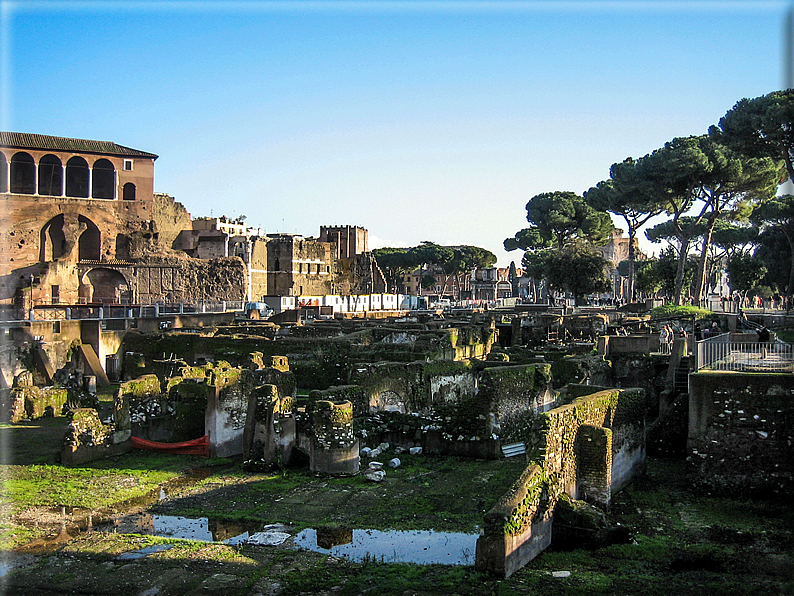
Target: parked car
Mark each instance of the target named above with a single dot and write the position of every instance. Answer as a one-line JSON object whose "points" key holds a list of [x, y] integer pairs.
{"points": [[257, 310]]}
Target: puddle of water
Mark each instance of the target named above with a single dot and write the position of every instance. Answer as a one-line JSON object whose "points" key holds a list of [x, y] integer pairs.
{"points": [[188, 528], [422, 547], [143, 552]]}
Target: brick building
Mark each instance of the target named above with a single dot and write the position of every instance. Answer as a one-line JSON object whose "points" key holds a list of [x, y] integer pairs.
{"points": [[81, 223]]}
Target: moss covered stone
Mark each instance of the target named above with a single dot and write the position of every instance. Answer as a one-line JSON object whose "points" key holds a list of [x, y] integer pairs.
{"points": [[144, 386]]}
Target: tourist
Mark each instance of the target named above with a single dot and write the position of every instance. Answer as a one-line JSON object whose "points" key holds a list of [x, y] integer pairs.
{"points": [[763, 338], [664, 339]]}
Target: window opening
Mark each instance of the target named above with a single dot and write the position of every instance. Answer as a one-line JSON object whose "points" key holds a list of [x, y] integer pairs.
{"points": [[129, 192], [23, 174], [53, 240], [77, 177], [89, 245], [103, 180], [3, 173], [50, 176]]}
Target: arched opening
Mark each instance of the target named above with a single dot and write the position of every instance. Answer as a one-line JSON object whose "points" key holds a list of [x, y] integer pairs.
{"points": [[50, 176], [107, 286], [23, 174], [103, 180], [129, 192], [90, 244], [53, 240], [3, 173], [77, 177]]}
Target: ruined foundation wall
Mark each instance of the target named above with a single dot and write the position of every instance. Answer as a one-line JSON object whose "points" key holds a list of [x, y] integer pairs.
{"points": [[515, 394], [270, 433], [741, 433], [557, 432], [415, 387], [88, 439], [34, 402], [574, 451]]}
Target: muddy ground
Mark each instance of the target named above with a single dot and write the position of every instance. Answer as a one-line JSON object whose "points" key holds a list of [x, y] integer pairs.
{"points": [[62, 541]]}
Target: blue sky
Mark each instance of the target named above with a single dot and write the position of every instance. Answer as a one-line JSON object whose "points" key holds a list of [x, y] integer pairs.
{"points": [[416, 120]]}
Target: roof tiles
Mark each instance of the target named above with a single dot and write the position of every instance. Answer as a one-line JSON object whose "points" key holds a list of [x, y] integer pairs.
{"points": [[23, 140]]}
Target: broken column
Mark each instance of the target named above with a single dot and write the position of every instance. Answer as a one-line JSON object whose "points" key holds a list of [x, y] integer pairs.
{"points": [[269, 437], [333, 448]]}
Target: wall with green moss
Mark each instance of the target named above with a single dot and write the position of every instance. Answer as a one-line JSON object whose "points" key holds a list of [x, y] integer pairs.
{"points": [[88, 439], [574, 447], [36, 402], [143, 386], [284, 380], [554, 443], [327, 359], [354, 394]]}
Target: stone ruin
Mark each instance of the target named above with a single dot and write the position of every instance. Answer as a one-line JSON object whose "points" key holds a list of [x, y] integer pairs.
{"points": [[576, 447]]}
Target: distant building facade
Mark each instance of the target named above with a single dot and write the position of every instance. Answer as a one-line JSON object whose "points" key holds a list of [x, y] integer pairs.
{"points": [[616, 251], [350, 241]]}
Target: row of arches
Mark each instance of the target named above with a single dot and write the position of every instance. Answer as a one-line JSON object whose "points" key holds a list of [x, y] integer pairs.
{"points": [[51, 178]]}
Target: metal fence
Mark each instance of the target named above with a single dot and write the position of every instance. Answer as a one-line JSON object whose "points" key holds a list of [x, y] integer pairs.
{"points": [[722, 353], [56, 312]]}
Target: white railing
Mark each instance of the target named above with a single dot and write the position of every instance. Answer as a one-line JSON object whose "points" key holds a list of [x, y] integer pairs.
{"points": [[721, 353], [56, 312]]}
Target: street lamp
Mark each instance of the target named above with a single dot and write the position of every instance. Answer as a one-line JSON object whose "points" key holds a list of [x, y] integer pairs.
{"points": [[31, 296]]}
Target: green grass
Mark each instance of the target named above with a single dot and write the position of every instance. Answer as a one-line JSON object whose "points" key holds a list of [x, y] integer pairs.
{"points": [[50, 486], [445, 494], [671, 310], [685, 543]]}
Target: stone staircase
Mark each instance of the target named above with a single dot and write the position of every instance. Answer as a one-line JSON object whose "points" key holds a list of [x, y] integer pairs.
{"points": [[681, 378]]}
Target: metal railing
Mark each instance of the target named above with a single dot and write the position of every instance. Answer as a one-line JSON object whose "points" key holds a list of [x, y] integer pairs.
{"points": [[722, 353], [59, 312]]}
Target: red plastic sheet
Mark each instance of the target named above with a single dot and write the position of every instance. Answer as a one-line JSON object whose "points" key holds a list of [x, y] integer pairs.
{"points": [[195, 447]]}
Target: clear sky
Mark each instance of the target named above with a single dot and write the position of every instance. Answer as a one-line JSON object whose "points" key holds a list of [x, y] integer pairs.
{"points": [[416, 120]]}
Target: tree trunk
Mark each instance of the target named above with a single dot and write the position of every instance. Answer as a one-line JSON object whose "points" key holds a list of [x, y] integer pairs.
{"points": [[789, 166], [632, 233], [704, 251], [679, 274], [790, 287]]}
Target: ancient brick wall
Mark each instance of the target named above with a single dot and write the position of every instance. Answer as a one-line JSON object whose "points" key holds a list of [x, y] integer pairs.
{"points": [[515, 394], [186, 279], [741, 433], [170, 218], [581, 437]]}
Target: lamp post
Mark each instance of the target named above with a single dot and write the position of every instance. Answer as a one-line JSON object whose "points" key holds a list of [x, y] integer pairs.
{"points": [[30, 315]]}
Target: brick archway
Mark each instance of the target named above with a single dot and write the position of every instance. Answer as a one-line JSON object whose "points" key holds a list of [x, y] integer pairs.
{"points": [[108, 286]]}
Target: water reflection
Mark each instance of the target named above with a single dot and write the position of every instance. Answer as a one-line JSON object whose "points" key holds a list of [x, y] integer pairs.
{"points": [[187, 528], [423, 547], [144, 552]]}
